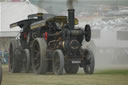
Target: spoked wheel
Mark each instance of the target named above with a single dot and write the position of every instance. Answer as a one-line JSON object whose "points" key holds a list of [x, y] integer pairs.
{"points": [[0, 73], [39, 61], [87, 31], [58, 62], [14, 58], [26, 61], [90, 63], [71, 68]]}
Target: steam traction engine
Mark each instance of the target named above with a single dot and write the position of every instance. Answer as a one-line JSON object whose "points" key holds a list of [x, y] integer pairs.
{"points": [[50, 44]]}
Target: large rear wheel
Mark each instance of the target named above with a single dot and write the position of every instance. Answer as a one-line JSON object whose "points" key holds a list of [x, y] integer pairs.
{"points": [[39, 61]]}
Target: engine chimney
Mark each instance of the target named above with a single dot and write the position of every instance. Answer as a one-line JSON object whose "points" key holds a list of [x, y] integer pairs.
{"points": [[71, 16]]}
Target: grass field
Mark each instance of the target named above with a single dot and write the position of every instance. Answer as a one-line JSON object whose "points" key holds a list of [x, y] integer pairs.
{"points": [[107, 77]]}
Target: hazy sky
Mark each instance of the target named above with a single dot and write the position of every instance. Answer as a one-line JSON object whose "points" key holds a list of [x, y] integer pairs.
{"points": [[82, 5]]}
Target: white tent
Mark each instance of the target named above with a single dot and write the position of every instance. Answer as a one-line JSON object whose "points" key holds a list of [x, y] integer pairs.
{"points": [[11, 12]]}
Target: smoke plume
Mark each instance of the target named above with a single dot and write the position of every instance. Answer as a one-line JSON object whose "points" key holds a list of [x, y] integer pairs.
{"points": [[40, 5], [70, 3]]}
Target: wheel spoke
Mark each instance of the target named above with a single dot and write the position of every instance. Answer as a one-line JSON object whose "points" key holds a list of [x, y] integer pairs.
{"points": [[37, 65], [38, 55], [35, 50], [36, 46]]}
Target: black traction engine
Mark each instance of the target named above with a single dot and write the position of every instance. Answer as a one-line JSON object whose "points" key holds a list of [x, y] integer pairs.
{"points": [[49, 43]]}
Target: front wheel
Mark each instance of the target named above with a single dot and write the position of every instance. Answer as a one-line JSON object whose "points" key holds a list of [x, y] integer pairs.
{"points": [[58, 62], [71, 68], [89, 63]]}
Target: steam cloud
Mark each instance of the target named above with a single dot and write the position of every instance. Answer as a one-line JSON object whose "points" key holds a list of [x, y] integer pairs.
{"points": [[40, 5], [70, 3]]}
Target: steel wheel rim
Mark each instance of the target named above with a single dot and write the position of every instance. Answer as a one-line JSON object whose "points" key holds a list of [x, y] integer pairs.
{"points": [[36, 55]]}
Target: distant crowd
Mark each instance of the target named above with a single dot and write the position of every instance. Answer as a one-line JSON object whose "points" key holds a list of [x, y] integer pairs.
{"points": [[4, 56]]}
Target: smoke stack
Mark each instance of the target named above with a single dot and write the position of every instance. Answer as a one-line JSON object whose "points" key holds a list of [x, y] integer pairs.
{"points": [[71, 16]]}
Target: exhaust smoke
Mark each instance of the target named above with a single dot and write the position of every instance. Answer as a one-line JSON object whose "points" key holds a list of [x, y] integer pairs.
{"points": [[70, 3], [40, 5]]}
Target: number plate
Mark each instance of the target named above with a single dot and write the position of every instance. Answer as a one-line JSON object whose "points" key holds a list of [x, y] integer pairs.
{"points": [[76, 61]]}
